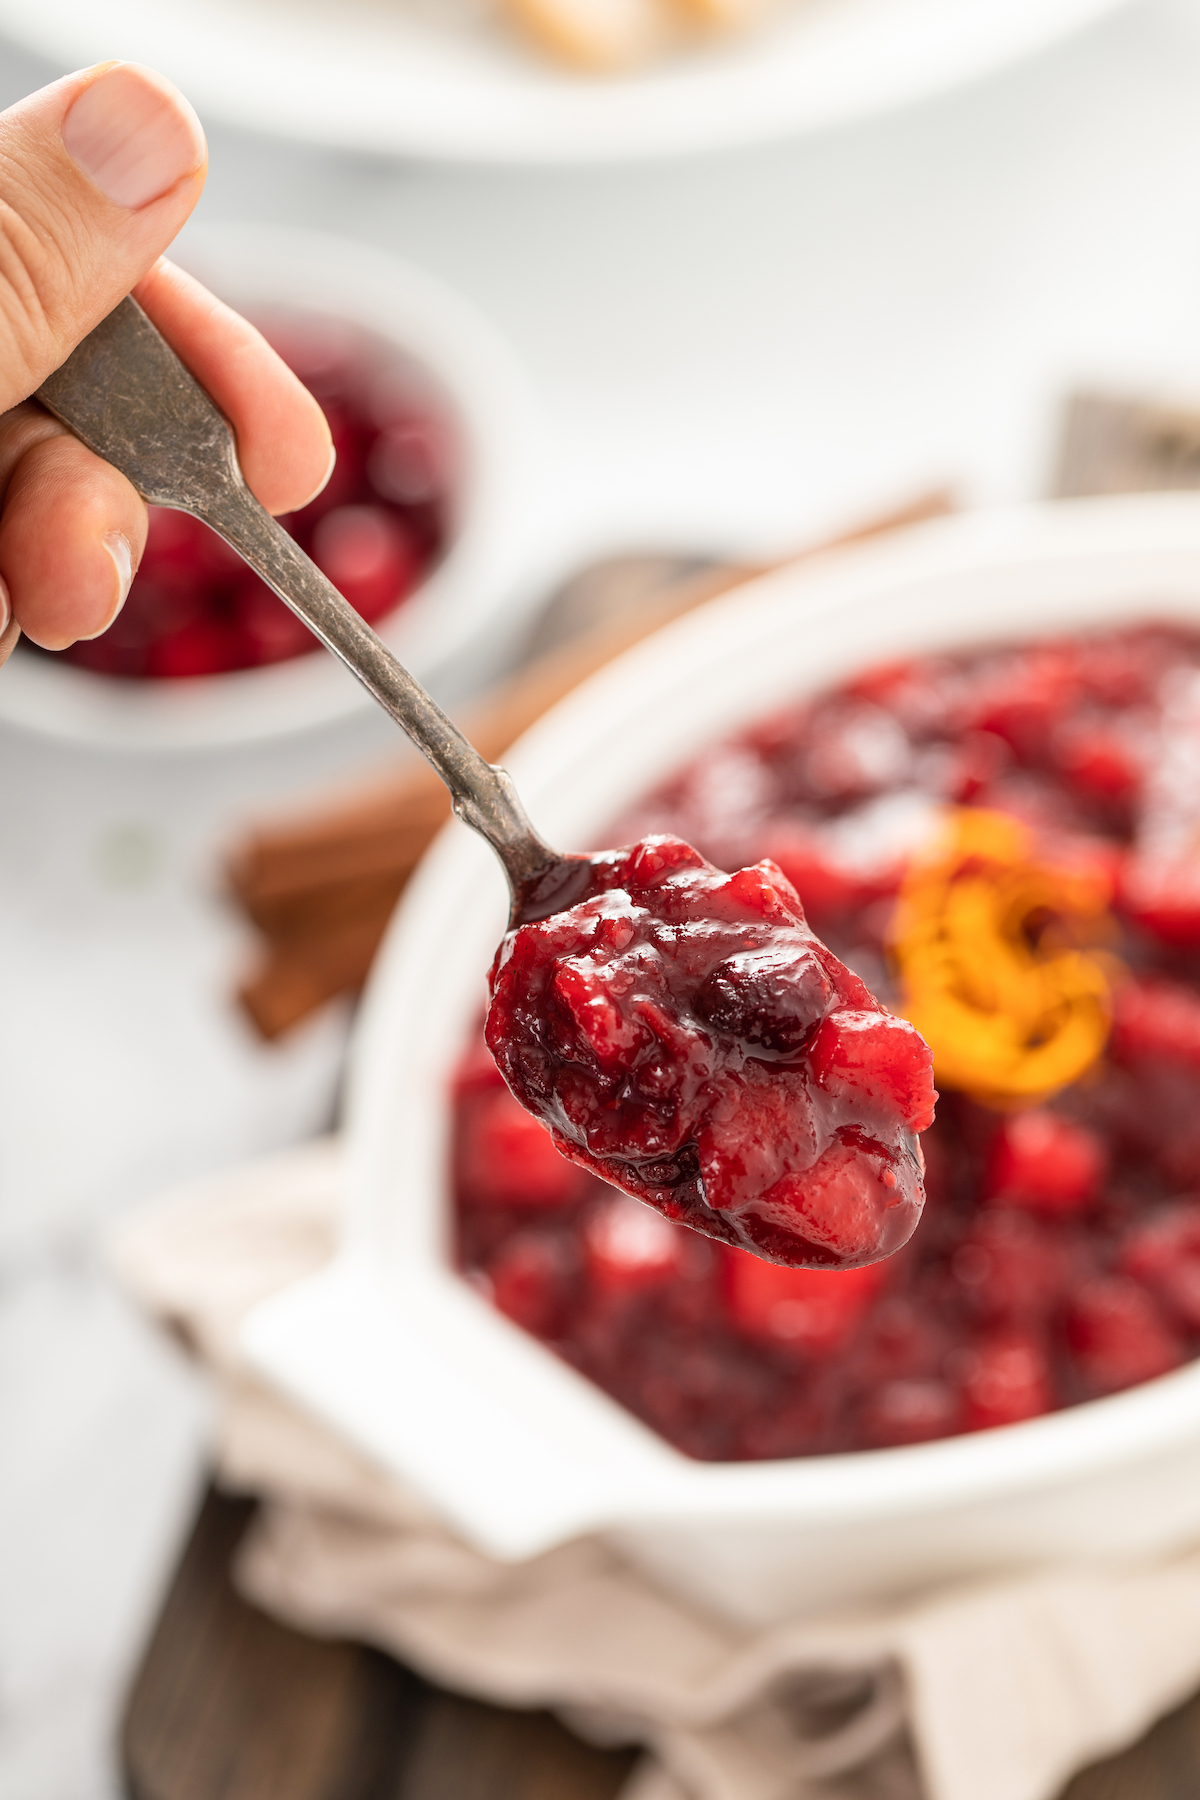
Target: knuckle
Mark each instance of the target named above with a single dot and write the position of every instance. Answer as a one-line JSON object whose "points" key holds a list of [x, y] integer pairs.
{"points": [[37, 290], [24, 278]]}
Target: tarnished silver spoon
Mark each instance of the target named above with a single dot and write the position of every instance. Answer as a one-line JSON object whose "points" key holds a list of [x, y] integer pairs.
{"points": [[127, 395], [643, 1088]]}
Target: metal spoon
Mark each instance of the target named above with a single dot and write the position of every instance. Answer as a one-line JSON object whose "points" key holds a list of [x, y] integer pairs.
{"points": [[127, 395]]}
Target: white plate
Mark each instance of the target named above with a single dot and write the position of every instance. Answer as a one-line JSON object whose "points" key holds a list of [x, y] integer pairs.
{"points": [[514, 1447], [461, 621], [387, 75]]}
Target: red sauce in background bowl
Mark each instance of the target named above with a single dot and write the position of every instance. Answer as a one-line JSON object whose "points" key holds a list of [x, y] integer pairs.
{"points": [[377, 530]]}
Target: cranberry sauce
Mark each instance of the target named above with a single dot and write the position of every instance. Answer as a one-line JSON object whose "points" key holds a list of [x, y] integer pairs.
{"points": [[1058, 1258], [687, 1037], [376, 530]]}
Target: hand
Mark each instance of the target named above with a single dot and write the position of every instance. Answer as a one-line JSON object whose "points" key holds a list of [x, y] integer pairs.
{"points": [[97, 174]]}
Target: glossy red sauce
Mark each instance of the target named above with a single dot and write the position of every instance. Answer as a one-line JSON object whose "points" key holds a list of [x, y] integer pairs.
{"points": [[686, 1037], [1058, 1258], [376, 530]]}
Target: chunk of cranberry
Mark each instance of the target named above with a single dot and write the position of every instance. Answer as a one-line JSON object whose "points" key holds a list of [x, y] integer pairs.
{"points": [[271, 628], [368, 555], [1008, 1267], [629, 1248], [1023, 697], [1119, 1335], [206, 646], [1004, 1377], [977, 760], [1098, 759], [509, 1159], [851, 1206], [877, 1062], [1163, 1252], [771, 999], [659, 1025], [828, 888], [408, 462], [1156, 1021], [1162, 896], [1044, 1164], [813, 1311], [532, 1280], [911, 1410]]}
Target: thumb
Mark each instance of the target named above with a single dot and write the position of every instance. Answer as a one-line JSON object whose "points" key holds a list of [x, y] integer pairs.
{"points": [[97, 174]]}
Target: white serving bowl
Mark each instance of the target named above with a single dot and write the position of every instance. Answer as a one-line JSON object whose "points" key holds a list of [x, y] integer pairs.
{"points": [[517, 1450], [472, 606], [440, 82]]}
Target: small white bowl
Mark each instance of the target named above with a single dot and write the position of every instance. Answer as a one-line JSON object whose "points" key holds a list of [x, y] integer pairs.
{"points": [[459, 621], [514, 1447]]}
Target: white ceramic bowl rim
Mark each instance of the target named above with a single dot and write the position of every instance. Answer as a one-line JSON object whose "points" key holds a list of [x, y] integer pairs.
{"points": [[1028, 572]]}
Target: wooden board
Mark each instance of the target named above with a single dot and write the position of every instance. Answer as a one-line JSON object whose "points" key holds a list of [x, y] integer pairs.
{"points": [[230, 1705]]}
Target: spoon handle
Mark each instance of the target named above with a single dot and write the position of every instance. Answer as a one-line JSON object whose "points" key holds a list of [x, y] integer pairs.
{"points": [[127, 395], [482, 795]]}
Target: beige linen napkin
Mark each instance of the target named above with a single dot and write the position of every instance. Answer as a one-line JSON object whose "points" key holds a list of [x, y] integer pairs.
{"points": [[998, 1691]]}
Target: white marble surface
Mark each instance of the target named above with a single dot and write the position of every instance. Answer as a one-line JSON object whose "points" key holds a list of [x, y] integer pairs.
{"points": [[732, 353]]}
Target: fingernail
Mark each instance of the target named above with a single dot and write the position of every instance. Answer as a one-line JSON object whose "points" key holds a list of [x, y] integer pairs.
{"points": [[133, 135], [324, 481], [5, 606], [117, 545]]}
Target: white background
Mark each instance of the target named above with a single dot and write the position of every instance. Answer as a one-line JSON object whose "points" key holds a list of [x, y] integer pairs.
{"points": [[733, 354]]}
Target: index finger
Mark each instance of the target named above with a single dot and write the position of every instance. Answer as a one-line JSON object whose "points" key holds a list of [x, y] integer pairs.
{"points": [[283, 439]]}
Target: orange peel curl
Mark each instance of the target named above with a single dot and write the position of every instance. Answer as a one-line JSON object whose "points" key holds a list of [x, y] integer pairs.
{"points": [[993, 945]]}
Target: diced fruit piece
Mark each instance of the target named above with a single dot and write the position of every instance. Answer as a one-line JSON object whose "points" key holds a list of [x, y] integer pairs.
{"points": [[1156, 1021], [408, 462], [813, 1311], [877, 1059], [602, 1027], [1162, 895], [629, 1247], [509, 1159], [1119, 1335], [1044, 1164], [852, 1206], [1163, 1252], [206, 646], [1098, 760], [368, 555], [828, 888], [1003, 1377], [1007, 1266], [531, 1281], [912, 1410], [273, 629]]}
